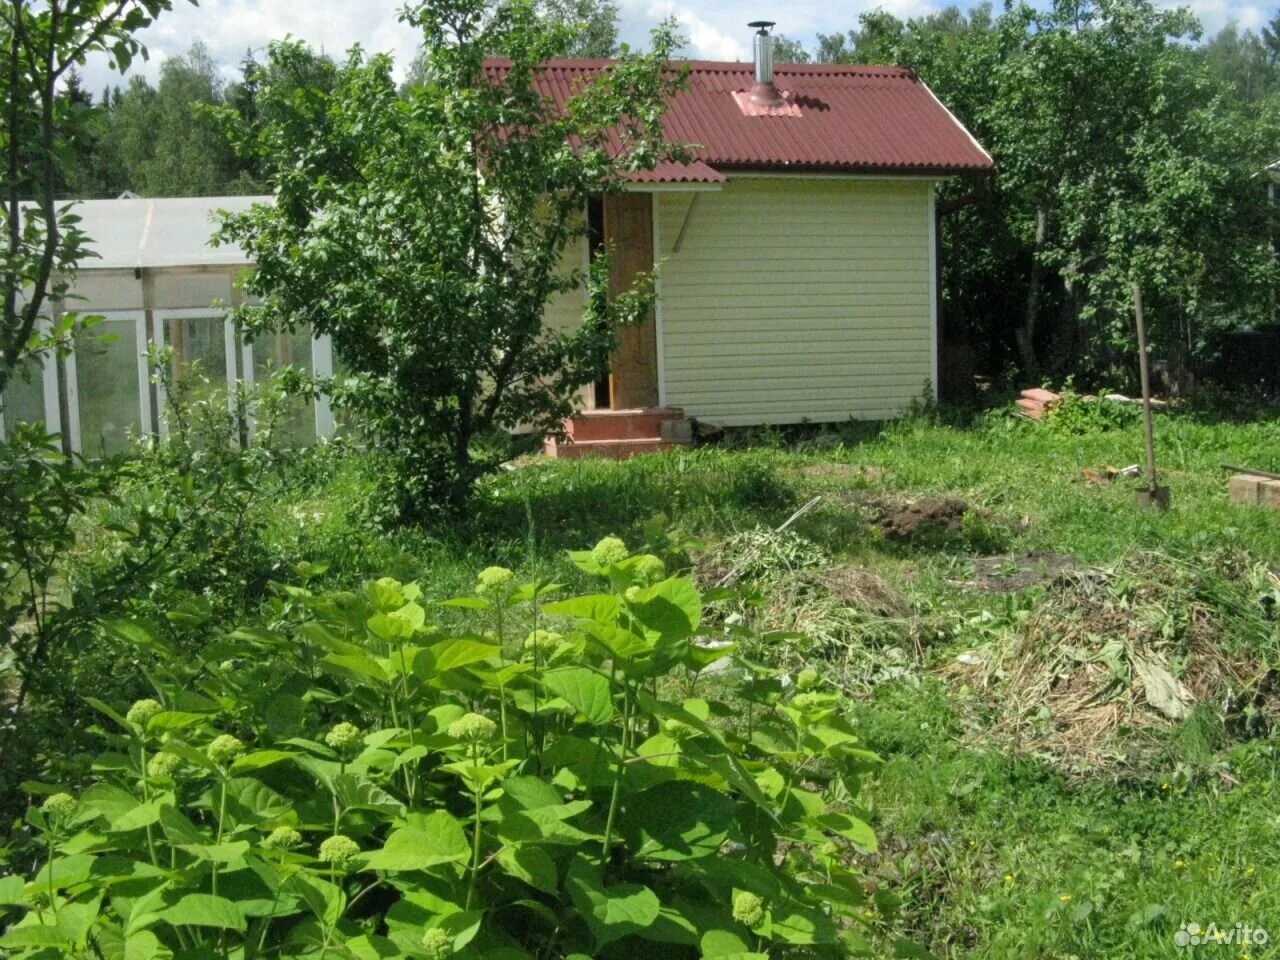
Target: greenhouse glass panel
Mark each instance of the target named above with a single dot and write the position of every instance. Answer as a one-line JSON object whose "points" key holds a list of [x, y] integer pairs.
{"points": [[107, 385], [198, 355], [23, 399], [271, 352]]}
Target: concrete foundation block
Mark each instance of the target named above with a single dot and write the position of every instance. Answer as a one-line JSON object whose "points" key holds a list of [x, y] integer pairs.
{"points": [[1254, 491]]}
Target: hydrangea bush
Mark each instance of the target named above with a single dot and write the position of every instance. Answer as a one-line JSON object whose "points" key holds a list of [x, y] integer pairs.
{"points": [[348, 780]]}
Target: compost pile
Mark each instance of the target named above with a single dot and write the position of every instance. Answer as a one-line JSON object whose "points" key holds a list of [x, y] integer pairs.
{"points": [[843, 615], [1112, 654]]}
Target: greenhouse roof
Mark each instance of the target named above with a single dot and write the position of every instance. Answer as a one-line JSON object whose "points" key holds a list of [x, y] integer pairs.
{"points": [[158, 232]]}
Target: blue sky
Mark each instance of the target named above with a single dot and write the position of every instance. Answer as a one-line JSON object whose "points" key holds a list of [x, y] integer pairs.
{"points": [[716, 28]]}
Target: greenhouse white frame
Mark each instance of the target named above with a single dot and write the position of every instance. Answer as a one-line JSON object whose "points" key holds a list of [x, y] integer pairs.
{"points": [[152, 274]]}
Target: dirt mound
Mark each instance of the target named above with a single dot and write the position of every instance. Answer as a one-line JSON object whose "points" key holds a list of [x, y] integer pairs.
{"points": [[904, 521], [1112, 654]]}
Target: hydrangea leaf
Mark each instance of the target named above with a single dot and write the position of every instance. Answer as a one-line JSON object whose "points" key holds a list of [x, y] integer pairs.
{"points": [[585, 690], [204, 910]]}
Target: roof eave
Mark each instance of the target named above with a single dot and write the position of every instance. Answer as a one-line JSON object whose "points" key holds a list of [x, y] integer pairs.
{"points": [[896, 171]]}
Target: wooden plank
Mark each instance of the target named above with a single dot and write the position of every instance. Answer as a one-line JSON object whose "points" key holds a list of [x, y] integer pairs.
{"points": [[628, 227]]}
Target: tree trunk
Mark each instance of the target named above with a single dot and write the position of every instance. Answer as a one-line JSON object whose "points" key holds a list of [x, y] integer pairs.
{"points": [[1025, 335]]}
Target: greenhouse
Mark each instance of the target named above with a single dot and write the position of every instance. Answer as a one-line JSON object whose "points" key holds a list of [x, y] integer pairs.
{"points": [[155, 279]]}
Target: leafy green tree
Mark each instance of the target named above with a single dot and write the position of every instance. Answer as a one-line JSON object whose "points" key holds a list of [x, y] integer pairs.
{"points": [[426, 232], [127, 140], [89, 171], [786, 50], [296, 76], [585, 28], [1241, 59], [165, 141], [1271, 39], [40, 44], [1120, 158], [593, 25]]}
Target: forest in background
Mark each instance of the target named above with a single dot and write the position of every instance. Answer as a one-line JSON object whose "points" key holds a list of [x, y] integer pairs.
{"points": [[1130, 149]]}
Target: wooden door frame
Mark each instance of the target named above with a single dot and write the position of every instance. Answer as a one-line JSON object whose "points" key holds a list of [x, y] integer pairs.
{"points": [[643, 384]]}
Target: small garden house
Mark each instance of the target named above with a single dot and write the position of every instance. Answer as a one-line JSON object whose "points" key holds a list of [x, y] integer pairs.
{"points": [[797, 254]]}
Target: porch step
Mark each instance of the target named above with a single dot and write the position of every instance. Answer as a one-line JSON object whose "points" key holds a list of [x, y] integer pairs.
{"points": [[621, 434], [614, 449], [638, 424]]}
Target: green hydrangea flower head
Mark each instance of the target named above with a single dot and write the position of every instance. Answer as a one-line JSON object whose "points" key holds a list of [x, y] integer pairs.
{"points": [[494, 581], [35, 897], [224, 748], [543, 640], [338, 850], [650, 569], [748, 908], [282, 838], [807, 679], [472, 728], [632, 594], [163, 764], [679, 730], [609, 551], [343, 736], [810, 700], [142, 711], [438, 944], [59, 806]]}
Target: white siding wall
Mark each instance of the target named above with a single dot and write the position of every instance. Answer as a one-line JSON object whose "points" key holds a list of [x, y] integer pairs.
{"points": [[797, 299], [565, 311]]}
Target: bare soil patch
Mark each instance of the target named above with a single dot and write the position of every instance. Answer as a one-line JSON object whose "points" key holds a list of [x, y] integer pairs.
{"points": [[905, 521]]}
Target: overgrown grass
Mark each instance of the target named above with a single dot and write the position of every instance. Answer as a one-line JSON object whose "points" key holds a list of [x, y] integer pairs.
{"points": [[993, 851]]}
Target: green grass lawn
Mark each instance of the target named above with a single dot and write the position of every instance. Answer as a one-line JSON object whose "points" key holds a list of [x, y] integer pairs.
{"points": [[993, 843]]}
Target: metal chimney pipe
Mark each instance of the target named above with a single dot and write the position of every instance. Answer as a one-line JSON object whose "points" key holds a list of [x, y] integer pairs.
{"points": [[764, 92], [764, 52]]}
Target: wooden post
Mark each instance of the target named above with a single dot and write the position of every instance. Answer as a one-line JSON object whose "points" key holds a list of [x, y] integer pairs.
{"points": [[1153, 496]]}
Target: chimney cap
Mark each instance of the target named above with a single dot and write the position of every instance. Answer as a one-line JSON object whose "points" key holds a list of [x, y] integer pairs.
{"points": [[762, 25]]}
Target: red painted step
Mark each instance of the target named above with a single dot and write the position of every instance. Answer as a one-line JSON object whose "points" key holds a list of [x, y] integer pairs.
{"points": [[621, 433], [619, 424]]}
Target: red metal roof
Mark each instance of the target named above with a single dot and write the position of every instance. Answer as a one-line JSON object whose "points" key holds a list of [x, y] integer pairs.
{"points": [[855, 119]]}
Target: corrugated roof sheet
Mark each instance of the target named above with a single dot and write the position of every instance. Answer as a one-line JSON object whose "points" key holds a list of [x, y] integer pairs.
{"points": [[668, 172], [852, 119], [158, 232]]}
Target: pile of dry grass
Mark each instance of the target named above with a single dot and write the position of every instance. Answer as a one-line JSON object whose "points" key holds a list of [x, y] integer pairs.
{"points": [[846, 617], [851, 619], [1113, 653], [758, 556]]}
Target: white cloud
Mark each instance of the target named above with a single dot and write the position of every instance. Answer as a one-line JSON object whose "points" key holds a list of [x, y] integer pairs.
{"points": [[706, 40], [231, 27], [716, 29]]}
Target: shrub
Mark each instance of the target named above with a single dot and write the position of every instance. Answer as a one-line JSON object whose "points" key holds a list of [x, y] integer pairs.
{"points": [[346, 779], [1074, 415], [178, 526]]}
